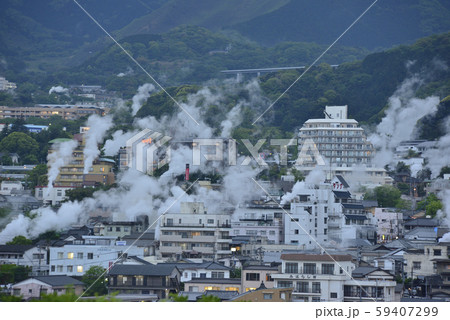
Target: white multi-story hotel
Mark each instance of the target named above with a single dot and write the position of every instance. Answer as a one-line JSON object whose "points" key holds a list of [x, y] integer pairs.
{"points": [[195, 233], [337, 138], [339, 147]]}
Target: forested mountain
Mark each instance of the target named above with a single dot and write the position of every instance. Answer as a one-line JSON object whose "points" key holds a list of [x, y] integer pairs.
{"points": [[387, 23], [364, 86]]}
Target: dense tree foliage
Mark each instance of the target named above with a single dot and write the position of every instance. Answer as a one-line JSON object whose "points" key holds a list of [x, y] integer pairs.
{"points": [[386, 195], [95, 282], [20, 240], [11, 273]]}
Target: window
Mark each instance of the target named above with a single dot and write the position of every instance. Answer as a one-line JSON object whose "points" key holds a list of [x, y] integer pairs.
{"points": [[269, 277], [327, 268], [53, 268], [291, 267], [333, 295], [70, 255], [203, 275], [217, 274], [80, 255], [210, 221], [315, 299], [271, 232], [316, 287], [296, 231], [416, 265], [437, 252], [302, 287], [59, 268], [252, 277], [80, 269], [118, 229], [211, 288], [193, 289], [231, 289], [60, 255], [37, 256], [284, 284], [267, 296], [309, 268], [69, 268], [90, 255]]}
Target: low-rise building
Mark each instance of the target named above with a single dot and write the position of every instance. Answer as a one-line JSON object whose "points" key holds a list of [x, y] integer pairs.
{"points": [[25, 255], [8, 186], [254, 276], [145, 279], [203, 284], [423, 262], [314, 277], [75, 259], [35, 287], [263, 294], [45, 111]]}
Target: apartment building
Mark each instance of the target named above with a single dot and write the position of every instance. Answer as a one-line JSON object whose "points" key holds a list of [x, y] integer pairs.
{"points": [[261, 220], [389, 224], [45, 111], [195, 233], [325, 213]]}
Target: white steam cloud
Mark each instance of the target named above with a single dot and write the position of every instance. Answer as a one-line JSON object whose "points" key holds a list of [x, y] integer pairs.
{"points": [[98, 126], [58, 89], [401, 117], [59, 157], [141, 96], [438, 157]]}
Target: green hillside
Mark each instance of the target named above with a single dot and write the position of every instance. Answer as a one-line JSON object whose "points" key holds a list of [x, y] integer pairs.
{"points": [[364, 86]]}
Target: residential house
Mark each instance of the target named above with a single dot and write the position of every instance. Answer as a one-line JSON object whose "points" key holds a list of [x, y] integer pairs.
{"points": [[370, 284], [263, 294], [254, 275], [25, 255], [35, 287], [8, 186], [423, 262], [204, 270], [144, 279], [389, 224]]}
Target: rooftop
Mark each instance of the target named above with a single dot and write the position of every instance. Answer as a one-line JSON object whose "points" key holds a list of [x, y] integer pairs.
{"points": [[315, 257]]}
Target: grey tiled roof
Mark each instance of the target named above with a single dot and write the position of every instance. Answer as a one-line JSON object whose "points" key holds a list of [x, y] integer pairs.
{"points": [[142, 270], [59, 281]]}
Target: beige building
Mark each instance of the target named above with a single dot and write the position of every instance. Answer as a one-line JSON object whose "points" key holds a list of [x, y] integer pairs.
{"points": [[72, 174], [45, 111], [263, 294], [423, 262], [35, 287], [253, 276]]}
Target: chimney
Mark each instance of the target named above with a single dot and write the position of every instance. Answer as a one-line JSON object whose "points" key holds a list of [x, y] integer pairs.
{"points": [[186, 177]]}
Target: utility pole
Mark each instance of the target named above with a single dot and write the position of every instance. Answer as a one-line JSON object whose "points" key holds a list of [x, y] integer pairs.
{"points": [[39, 269]]}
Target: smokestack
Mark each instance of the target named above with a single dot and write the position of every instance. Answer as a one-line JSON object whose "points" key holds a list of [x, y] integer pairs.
{"points": [[186, 177]]}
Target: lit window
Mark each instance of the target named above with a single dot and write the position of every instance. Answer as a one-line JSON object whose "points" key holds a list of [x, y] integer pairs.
{"points": [[231, 289], [70, 255], [79, 268]]}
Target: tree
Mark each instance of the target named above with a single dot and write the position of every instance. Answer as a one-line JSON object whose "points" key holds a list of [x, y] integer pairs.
{"points": [[235, 273], [176, 298], [37, 176], [20, 143], [431, 205], [11, 273], [20, 240], [95, 281], [444, 170], [387, 196]]}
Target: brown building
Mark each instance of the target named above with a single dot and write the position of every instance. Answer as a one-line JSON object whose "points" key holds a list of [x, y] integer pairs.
{"points": [[263, 294], [254, 276]]}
